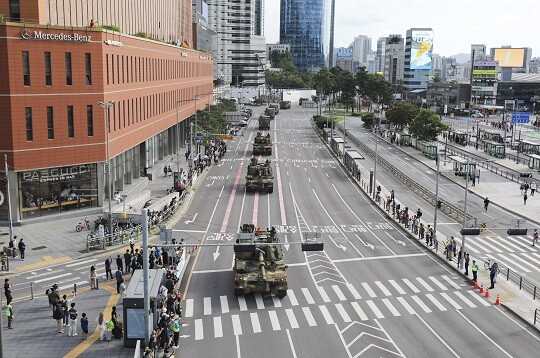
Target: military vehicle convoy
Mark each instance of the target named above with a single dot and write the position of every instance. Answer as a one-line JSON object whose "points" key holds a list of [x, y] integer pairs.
{"points": [[258, 263], [285, 105], [270, 112], [274, 106], [259, 176], [264, 122], [262, 145]]}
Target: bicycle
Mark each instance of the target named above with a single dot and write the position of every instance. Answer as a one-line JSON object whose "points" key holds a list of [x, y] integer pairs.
{"points": [[489, 263], [85, 223]]}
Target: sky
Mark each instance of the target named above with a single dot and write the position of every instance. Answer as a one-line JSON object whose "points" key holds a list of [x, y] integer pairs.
{"points": [[456, 24]]}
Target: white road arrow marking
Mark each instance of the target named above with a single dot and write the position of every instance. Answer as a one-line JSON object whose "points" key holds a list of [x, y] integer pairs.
{"points": [[397, 241], [286, 243], [337, 245], [192, 220], [216, 254], [185, 336], [212, 183], [363, 242]]}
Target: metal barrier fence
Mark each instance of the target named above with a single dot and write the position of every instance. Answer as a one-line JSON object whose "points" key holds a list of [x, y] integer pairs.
{"points": [[536, 315], [29, 290], [523, 283]]}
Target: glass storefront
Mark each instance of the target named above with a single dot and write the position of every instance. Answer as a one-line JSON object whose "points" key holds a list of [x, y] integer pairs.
{"points": [[54, 190]]}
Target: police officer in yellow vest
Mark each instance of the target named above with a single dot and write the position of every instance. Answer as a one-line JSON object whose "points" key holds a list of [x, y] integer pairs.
{"points": [[175, 327], [9, 315], [474, 269]]}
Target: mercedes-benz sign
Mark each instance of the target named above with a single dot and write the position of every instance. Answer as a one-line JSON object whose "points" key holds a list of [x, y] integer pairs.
{"points": [[40, 35]]}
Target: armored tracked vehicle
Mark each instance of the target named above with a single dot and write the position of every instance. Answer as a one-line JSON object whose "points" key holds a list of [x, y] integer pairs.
{"points": [[285, 105], [262, 145], [274, 106], [259, 176], [270, 112], [258, 263], [264, 122]]}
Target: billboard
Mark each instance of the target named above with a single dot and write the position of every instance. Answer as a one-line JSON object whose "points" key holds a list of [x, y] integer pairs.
{"points": [[421, 49], [509, 57]]}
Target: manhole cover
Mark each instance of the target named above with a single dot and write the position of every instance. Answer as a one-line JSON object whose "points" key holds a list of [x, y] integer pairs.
{"points": [[39, 248]]}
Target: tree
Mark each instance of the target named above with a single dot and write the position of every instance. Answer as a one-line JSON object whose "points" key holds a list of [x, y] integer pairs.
{"points": [[437, 78], [402, 113], [427, 125], [348, 90], [324, 81], [368, 119]]}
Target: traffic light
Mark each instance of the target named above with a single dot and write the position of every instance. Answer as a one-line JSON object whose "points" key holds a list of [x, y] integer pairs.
{"points": [[316, 246], [468, 232], [516, 231]]}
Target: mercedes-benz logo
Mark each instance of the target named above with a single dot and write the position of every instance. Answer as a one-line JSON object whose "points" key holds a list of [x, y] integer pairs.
{"points": [[25, 34]]}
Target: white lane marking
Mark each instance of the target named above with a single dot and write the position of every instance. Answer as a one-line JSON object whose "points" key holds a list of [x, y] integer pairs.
{"points": [[516, 267], [80, 283], [478, 298], [224, 304], [189, 308], [406, 305], [451, 300], [292, 318], [411, 286], [437, 283], [81, 262], [359, 311], [496, 241], [374, 309], [484, 248], [383, 288], [326, 315], [293, 351], [391, 307], [242, 303], [451, 282], [237, 328], [199, 334], [259, 301], [323, 294], [44, 274], [522, 245], [437, 335], [343, 313], [218, 328], [255, 322], [531, 258], [368, 290], [274, 320], [425, 284], [378, 257], [207, 306], [277, 301], [292, 297], [465, 299], [308, 296], [339, 293], [439, 305], [421, 304], [524, 261], [355, 293], [397, 287], [53, 277], [309, 316]]}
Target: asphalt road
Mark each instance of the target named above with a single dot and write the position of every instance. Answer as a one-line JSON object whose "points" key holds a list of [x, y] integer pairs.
{"points": [[373, 292]]}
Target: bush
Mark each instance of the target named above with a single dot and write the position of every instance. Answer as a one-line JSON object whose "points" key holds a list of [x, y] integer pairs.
{"points": [[368, 120], [320, 121], [111, 27], [144, 35], [356, 114]]}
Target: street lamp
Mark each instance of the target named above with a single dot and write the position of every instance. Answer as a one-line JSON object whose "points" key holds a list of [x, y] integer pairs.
{"points": [[196, 99], [106, 106]]}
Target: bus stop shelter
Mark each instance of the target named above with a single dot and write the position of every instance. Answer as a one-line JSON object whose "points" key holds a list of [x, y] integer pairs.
{"points": [[495, 149]]}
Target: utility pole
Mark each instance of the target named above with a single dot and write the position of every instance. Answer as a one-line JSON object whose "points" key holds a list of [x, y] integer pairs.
{"points": [[8, 199], [464, 214], [436, 202], [146, 303], [106, 106]]}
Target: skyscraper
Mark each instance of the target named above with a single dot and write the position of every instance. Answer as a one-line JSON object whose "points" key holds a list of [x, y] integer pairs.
{"points": [[418, 62], [361, 47], [307, 26], [394, 56]]}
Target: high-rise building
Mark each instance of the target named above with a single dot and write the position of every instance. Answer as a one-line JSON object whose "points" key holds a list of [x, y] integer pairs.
{"points": [[280, 48], [484, 83], [380, 53], [361, 47], [74, 95], [307, 26], [204, 37], [240, 45], [394, 58], [418, 62], [479, 52]]}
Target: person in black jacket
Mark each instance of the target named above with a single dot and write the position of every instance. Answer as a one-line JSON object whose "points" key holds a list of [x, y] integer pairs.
{"points": [[119, 263], [22, 248]]}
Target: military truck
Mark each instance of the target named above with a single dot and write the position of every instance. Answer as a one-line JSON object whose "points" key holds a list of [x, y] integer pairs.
{"points": [[262, 145], [285, 105], [258, 263], [274, 106], [259, 176], [264, 122], [271, 112]]}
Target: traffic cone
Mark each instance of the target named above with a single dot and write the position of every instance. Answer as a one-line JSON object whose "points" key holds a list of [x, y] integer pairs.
{"points": [[487, 293], [497, 301], [475, 285], [482, 288]]}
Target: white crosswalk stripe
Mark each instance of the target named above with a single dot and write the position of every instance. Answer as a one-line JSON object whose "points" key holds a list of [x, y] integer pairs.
{"points": [[81, 263], [375, 309], [411, 286], [343, 313], [526, 242], [274, 320], [237, 328], [359, 311], [323, 294], [259, 301], [524, 261], [383, 288], [309, 316], [425, 284], [80, 283], [326, 314], [406, 305], [497, 241], [511, 244], [435, 302], [437, 283], [505, 260], [368, 289], [354, 292], [53, 278], [199, 333], [421, 304], [465, 299], [451, 282], [530, 257], [478, 298], [339, 293], [277, 301], [292, 318], [308, 296], [450, 300], [189, 308], [31, 277], [255, 322], [242, 303], [292, 297], [224, 304], [207, 306], [471, 247], [482, 247], [218, 328], [522, 245], [397, 287], [391, 307]]}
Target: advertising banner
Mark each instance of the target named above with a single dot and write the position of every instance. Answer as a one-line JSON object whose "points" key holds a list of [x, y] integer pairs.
{"points": [[510, 57], [421, 49]]}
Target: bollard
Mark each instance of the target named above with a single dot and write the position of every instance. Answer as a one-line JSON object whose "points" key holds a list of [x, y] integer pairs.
{"points": [[97, 283], [32, 290], [75, 289]]}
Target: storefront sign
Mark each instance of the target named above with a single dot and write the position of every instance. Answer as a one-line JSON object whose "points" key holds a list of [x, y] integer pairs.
{"points": [[114, 43], [55, 174], [40, 35]]}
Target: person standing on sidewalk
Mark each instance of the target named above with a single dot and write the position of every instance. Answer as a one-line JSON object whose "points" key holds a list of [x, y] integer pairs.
{"points": [[493, 271], [486, 203], [93, 278], [108, 270], [525, 198], [119, 279], [72, 331], [466, 264], [54, 295], [119, 263], [175, 327], [9, 315], [7, 289], [474, 269], [84, 326], [535, 237], [533, 188], [132, 245], [101, 325], [13, 245], [58, 315], [64, 304], [127, 260], [22, 248]]}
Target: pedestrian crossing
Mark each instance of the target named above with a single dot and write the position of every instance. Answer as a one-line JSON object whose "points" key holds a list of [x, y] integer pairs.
{"points": [[328, 305]]}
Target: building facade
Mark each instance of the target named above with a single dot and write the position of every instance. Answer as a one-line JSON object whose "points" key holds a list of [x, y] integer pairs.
{"points": [[394, 58], [307, 25], [418, 58], [443, 98], [484, 83], [281, 48], [361, 48], [53, 129]]}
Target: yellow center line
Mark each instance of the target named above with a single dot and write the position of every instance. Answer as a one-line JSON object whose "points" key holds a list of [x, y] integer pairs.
{"points": [[84, 345]]}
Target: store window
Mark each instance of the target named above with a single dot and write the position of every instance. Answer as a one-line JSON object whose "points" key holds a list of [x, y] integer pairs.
{"points": [[50, 191]]}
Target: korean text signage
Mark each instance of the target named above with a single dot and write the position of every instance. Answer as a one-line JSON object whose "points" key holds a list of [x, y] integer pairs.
{"points": [[55, 174], [28, 34], [421, 49]]}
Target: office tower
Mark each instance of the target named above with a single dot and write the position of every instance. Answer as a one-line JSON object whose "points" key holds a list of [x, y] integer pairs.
{"points": [[361, 47], [418, 62], [394, 58], [380, 53]]}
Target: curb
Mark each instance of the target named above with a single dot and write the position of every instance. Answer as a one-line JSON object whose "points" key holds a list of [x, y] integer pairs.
{"points": [[519, 317]]}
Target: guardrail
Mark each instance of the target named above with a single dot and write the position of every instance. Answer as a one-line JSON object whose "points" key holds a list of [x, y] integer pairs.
{"points": [[536, 315], [523, 283]]}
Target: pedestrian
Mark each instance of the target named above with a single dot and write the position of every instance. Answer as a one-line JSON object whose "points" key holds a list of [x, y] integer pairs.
{"points": [[525, 198], [132, 244], [101, 325], [535, 237], [421, 230], [133, 266], [72, 330], [108, 270], [7, 290], [13, 245], [165, 171], [458, 257], [93, 278], [9, 315], [119, 263], [392, 196], [493, 271], [84, 326], [53, 295], [22, 248], [474, 269], [119, 280], [533, 188], [466, 264], [127, 260], [58, 315], [486, 203], [473, 179], [526, 187], [123, 288], [175, 327], [64, 304]]}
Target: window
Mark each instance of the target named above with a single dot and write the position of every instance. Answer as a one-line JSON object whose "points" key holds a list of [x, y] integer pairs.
{"points": [[71, 125], [69, 76], [88, 68], [15, 10], [29, 129], [48, 70], [26, 68], [90, 120], [50, 123]]}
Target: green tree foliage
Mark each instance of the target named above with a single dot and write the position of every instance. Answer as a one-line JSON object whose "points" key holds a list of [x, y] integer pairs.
{"points": [[427, 125], [368, 119], [348, 90], [437, 78], [288, 76], [402, 113], [211, 119], [324, 81], [276, 57]]}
